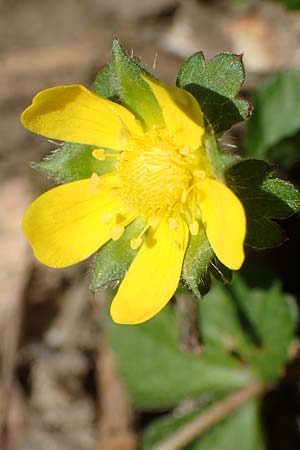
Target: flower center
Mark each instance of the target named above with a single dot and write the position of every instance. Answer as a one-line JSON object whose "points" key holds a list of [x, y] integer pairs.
{"points": [[158, 179], [153, 173]]}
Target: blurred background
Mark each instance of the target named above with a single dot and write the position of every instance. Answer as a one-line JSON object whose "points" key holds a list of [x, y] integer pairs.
{"points": [[59, 388]]}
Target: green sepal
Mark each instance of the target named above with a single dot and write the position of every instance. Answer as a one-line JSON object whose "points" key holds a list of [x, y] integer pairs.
{"points": [[112, 261], [215, 85], [73, 162], [218, 159], [196, 263], [132, 91], [103, 83], [220, 272], [264, 197]]}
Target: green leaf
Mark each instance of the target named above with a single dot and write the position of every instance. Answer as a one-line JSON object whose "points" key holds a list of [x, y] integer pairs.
{"points": [[240, 429], [287, 197], [113, 260], [196, 263], [290, 4], [73, 162], [264, 197], [158, 375], [273, 317], [276, 113], [133, 92], [257, 324], [215, 85], [264, 233]]}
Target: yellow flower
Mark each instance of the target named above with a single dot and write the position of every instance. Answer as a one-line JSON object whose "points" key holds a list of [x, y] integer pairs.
{"points": [[161, 175]]}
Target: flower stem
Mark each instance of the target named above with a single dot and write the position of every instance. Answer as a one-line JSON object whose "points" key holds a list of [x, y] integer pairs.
{"points": [[187, 310]]}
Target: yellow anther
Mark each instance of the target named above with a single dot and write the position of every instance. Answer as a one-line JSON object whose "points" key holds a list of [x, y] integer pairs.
{"points": [[99, 154], [185, 151], [94, 184], [154, 222], [194, 228], [106, 218], [116, 232], [173, 223], [184, 195], [200, 174], [124, 134], [114, 191], [135, 243], [177, 245]]}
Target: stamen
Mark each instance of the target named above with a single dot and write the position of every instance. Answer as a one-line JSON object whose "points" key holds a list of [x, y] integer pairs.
{"points": [[94, 184], [154, 222], [136, 243], [116, 232], [194, 228], [124, 134], [173, 223], [184, 195], [106, 218], [200, 174], [100, 154], [186, 150]]}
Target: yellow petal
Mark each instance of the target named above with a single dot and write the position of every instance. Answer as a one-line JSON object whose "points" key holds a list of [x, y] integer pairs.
{"points": [[225, 222], [64, 225], [152, 277], [181, 112], [75, 114]]}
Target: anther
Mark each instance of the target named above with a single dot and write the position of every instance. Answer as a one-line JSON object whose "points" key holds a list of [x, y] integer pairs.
{"points": [[116, 232], [135, 243], [185, 151], [194, 228], [184, 195], [100, 154], [106, 218], [95, 182], [173, 223], [154, 222], [200, 174]]}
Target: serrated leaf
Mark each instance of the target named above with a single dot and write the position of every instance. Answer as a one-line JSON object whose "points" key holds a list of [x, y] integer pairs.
{"points": [[264, 197], [196, 263], [287, 197], [158, 375], [276, 113], [112, 261], [256, 323], [73, 162], [240, 429], [215, 85], [133, 92], [264, 233], [271, 313]]}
